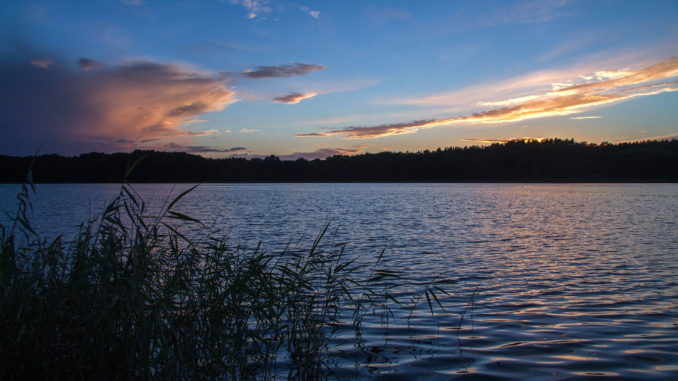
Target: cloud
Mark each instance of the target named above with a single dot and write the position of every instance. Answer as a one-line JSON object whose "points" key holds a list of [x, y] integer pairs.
{"points": [[195, 120], [524, 85], [508, 102], [247, 130], [317, 88], [602, 88], [255, 8], [581, 41], [202, 133], [281, 71], [294, 98], [321, 153], [309, 11], [201, 149], [585, 117], [42, 63], [72, 111], [88, 64]]}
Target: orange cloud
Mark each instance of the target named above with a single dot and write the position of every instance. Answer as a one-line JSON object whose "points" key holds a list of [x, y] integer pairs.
{"points": [[146, 99], [106, 109], [608, 87]]}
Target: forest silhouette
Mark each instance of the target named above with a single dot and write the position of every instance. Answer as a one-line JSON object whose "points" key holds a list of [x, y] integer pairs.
{"points": [[548, 160]]}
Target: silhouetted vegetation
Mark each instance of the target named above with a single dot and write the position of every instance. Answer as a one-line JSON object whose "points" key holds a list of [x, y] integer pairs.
{"points": [[131, 297], [549, 160]]}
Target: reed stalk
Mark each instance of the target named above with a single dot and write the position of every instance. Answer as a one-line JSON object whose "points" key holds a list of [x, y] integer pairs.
{"points": [[132, 297]]}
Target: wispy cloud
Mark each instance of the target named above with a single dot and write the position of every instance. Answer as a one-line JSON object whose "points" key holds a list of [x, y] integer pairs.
{"points": [[569, 46], [508, 102], [321, 153], [287, 70], [315, 87], [348, 118], [255, 8], [44, 63], [73, 110], [294, 98], [580, 94], [195, 120], [202, 133], [309, 11], [259, 9], [534, 83], [201, 149], [585, 117], [247, 130]]}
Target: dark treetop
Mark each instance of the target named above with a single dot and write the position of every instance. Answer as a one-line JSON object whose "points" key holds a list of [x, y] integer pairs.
{"points": [[549, 160]]}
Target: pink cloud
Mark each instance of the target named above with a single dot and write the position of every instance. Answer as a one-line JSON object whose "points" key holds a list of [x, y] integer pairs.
{"points": [[146, 99]]}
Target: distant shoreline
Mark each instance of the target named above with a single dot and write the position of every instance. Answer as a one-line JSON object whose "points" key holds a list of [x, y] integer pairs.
{"points": [[547, 161], [531, 181]]}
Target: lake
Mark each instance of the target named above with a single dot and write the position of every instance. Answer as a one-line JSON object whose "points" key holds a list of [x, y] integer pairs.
{"points": [[554, 281]]}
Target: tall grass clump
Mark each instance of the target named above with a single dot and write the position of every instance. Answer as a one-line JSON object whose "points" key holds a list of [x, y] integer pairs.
{"points": [[132, 297]]}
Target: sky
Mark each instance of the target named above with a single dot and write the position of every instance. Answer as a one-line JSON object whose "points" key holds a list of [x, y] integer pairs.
{"points": [[313, 79]]}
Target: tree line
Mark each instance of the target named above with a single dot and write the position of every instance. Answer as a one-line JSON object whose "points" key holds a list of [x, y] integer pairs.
{"points": [[548, 160]]}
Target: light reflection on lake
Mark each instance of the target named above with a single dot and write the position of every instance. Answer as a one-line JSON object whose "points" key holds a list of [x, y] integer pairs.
{"points": [[573, 280]]}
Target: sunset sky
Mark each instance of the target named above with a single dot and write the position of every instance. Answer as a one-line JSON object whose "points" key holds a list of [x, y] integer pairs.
{"points": [[318, 78]]}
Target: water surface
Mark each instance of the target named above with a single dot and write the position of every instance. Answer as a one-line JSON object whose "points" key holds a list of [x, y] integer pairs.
{"points": [[556, 281]]}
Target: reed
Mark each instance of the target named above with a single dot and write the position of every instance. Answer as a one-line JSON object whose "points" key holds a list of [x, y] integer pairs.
{"points": [[132, 297]]}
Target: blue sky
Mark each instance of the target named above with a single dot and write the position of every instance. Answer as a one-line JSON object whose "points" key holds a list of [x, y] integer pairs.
{"points": [[316, 78]]}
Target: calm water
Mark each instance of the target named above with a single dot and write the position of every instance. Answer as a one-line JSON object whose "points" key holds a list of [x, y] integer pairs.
{"points": [[572, 280]]}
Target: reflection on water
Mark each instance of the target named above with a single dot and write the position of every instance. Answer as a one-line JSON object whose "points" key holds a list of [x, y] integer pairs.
{"points": [[573, 281]]}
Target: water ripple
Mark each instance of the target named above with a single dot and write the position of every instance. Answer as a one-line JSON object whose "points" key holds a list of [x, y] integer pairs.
{"points": [[571, 281]]}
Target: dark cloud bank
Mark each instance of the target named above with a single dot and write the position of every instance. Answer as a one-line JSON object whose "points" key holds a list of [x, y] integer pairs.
{"points": [[288, 70], [75, 106], [293, 98]]}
